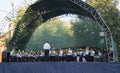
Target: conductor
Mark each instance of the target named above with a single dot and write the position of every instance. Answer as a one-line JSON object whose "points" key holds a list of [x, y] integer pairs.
{"points": [[46, 48]]}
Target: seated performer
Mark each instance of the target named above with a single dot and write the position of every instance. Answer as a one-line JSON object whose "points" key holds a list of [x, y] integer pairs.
{"points": [[60, 54], [69, 56], [79, 55]]}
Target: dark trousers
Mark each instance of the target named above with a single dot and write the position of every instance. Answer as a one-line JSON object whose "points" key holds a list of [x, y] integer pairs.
{"points": [[46, 55]]}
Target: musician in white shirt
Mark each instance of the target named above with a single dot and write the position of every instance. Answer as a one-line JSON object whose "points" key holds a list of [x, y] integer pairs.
{"points": [[60, 52], [69, 52], [87, 51], [46, 48]]}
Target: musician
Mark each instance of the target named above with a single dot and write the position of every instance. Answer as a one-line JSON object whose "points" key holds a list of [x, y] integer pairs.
{"points": [[46, 48]]}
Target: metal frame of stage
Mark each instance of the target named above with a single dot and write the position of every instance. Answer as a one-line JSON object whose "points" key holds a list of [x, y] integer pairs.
{"points": [[45, 9]]}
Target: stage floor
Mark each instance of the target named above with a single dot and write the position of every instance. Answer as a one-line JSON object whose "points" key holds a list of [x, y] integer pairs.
{"points": [[59, 67]]}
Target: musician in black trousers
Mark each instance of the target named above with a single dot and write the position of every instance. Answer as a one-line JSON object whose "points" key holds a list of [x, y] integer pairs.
{"points": [[46, 48]]}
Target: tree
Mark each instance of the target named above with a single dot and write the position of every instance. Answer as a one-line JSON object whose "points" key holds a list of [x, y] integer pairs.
{"points": [[13, 22], [86, 33], [57, 33], [111, 15]]}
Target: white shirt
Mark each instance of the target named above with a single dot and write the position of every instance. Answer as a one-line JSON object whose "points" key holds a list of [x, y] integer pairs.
{"points": [[74, 54], [86, 52], [99, 54], [69, 52], [46, 46], [80, 53], [60, 53], [92, 53]]}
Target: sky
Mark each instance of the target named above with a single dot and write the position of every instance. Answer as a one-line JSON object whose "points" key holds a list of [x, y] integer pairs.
{"points": [[5, 6]]}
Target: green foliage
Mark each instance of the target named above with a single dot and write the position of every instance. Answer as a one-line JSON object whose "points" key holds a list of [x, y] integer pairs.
{"points": [[111, 15], [54, 32], [86, 33], [78, 32]]}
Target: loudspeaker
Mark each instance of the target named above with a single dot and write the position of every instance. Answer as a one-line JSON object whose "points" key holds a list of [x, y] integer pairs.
{"points": [[5, 56]]}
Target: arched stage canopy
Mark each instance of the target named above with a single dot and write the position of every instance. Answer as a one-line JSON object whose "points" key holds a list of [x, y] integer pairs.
{"points": [[43, 10]]}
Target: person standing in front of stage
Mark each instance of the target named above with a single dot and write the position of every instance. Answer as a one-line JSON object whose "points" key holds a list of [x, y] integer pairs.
{"points": [[46, 48]]}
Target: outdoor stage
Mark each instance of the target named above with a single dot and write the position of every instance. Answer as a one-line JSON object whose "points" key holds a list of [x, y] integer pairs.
{"points": [[59, 67]]}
